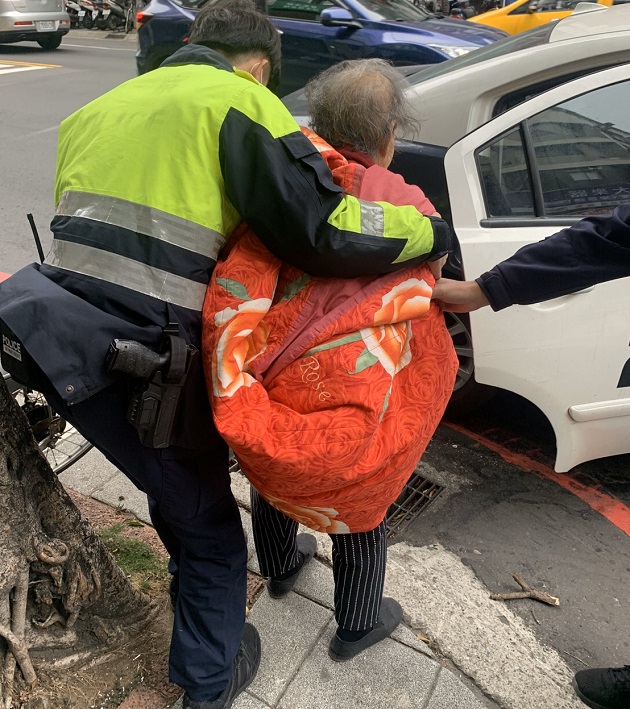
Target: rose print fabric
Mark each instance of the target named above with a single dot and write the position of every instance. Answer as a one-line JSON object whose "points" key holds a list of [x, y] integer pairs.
{"points": [[327, 390]]}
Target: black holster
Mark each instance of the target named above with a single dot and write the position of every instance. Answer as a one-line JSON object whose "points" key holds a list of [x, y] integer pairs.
{"points": [[159, 379]]}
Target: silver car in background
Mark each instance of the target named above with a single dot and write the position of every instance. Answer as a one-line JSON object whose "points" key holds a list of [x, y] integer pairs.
{"points": [[41, 21]]}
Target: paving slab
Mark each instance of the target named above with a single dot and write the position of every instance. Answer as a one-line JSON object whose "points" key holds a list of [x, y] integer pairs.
{"points": [[405, 635], [316, 583], [451, 693], [389, 675], [94, 476], [240, 489], [289, 629], [247, 701], [121, 492], [90, 473], [243, 701], [252, 559]]}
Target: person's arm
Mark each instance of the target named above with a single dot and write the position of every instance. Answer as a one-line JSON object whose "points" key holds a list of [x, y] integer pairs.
{"points": [[594, 250], [283, 189], [458, 296]]}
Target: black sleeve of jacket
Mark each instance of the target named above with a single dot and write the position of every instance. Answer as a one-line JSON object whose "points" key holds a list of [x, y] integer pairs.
{"points": [[284, 190], [595, 250]]}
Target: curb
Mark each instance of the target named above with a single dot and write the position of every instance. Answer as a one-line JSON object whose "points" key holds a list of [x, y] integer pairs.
{"points": [[100, 35]]}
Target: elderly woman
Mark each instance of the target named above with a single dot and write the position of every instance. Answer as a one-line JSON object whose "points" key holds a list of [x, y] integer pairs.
{"points": [[356, 107], [328, 390]]}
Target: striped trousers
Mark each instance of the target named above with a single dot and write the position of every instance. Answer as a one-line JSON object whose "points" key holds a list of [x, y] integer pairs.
{"points": [[358, 562]]}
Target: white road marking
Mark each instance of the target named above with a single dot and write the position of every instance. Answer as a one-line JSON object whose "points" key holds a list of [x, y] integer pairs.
{"points": [[13, 70], [11, 67], [43, 130]]}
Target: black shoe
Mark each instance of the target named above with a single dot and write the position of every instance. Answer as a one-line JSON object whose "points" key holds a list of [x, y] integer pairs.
{"points": [[388, 620], [243, 672], [307, 546], [604, 687]]}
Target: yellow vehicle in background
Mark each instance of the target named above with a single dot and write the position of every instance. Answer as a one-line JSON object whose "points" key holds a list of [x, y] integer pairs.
{"points": [[522, 15]]}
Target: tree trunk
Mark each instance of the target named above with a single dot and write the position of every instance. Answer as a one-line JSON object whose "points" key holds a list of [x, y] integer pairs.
{"points": [[63, 600]]}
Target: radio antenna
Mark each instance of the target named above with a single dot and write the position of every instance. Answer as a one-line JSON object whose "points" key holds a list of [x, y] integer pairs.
{"points": [[38, 242]]}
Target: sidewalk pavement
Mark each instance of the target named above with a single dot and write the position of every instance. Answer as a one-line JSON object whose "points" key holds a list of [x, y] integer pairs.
{"points": [[102, 34], [295, 671]]}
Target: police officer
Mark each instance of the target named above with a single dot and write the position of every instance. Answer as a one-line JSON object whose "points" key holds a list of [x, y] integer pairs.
{"points": [[138, 227]]}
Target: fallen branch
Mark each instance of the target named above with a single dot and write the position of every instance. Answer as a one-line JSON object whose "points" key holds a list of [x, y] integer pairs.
{"points": [[527, 592]]}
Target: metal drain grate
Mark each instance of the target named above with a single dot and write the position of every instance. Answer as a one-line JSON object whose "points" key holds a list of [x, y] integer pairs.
{"points": [[415, 497]]}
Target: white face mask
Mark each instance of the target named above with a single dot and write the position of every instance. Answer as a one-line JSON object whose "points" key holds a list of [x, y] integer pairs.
{"points": [[251, 71]]}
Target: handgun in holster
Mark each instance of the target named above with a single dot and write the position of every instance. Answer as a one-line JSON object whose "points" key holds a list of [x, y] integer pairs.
{"points": [[161, 376]]}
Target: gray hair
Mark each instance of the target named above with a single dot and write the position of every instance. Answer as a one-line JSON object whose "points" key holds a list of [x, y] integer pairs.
{"points": [[357, 103]]}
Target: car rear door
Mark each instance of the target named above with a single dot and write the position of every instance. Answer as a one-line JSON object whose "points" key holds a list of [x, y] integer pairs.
{"points": [[521, 177]]}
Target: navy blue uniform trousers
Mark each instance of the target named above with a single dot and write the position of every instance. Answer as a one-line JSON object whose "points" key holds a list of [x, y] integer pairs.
{"points": [[195, 514]]}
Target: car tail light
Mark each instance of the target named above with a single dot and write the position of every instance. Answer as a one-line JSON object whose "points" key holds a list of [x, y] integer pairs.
{"points": [[142, 18], [23, 24]]}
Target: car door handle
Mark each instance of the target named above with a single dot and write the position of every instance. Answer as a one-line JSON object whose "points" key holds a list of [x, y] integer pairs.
{"points": [[581, 292], [559, 302]]}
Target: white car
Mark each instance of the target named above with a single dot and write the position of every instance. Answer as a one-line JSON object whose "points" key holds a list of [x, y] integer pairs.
{"points": [[523, 138]]}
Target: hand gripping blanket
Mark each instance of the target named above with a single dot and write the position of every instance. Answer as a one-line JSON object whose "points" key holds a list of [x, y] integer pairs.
{"points": [[326, 389]]}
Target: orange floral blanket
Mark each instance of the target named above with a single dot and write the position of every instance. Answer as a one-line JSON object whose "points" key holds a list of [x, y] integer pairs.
{"points": [[327, 390]]}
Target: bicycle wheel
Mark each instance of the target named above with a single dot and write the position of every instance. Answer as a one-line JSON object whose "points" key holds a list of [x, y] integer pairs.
{"points": [[60, 443]]}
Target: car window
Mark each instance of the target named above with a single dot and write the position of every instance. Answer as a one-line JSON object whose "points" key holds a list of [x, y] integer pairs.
{"points": [[260, 4], [394, 10], [298, 9], [524, 40], [569, 160], [582, 151], [525, 93], [505, 177]]}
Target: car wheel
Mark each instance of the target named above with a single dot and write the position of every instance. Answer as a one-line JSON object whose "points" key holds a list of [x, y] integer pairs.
{"points": [[49, 43], [467, 395]]}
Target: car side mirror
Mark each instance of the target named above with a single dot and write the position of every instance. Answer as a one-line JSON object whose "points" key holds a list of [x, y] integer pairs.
{"points": [[338, 17], [532, 7]]}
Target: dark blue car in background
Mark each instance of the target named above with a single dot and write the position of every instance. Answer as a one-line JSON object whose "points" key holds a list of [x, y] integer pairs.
{"points": [[319, 33]]}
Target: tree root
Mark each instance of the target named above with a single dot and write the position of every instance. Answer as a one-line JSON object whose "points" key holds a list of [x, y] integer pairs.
{"points": [[20, 653], [18, 650], [48, 554]]}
